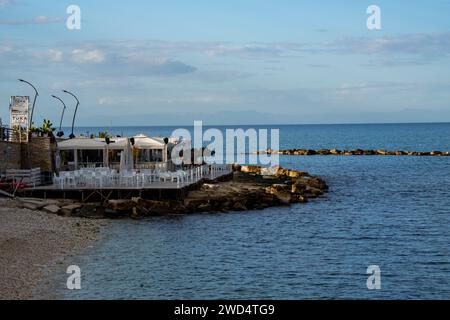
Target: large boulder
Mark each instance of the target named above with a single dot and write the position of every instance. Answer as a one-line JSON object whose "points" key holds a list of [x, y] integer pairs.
{"points": [[251, 169], [335, 152], [324, 152], [70, 209], [281, 191], [52, 208]]}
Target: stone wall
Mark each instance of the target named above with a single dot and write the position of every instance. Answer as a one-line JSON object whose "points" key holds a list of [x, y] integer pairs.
{"points": [[39, 153], [10, 155]]}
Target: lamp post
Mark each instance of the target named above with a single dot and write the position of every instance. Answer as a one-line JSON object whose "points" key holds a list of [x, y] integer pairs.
{"points": [[75, 113], [36, 94], [60, 132]]}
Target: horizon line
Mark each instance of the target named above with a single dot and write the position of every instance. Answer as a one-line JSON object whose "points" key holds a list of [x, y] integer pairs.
{"points": [[266, 124]]}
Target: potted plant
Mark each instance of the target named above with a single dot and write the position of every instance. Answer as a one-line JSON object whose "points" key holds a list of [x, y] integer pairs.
{"points": [[47, 130], [34, 131]]}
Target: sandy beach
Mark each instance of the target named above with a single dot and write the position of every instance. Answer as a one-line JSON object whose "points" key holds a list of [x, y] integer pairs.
{"points": [[33, 242]]}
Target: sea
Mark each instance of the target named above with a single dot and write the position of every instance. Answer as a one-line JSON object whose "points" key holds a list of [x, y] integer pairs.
{"points": [[390, 212]]}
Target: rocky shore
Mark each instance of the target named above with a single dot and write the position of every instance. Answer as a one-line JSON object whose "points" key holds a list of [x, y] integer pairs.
{"points": [[356, 152], [251, 188], [37, 235], [32, 241]]}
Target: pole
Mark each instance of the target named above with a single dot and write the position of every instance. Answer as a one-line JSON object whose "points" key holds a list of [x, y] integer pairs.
{"points": [[36, 94], [74, 114], [60, 133]]}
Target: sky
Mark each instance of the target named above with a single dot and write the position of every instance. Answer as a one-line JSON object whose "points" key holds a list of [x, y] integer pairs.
{"points": [[229, 62]]}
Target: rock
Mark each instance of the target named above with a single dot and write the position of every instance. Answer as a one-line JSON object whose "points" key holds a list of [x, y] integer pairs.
{"points": [[269, 172], [299, 199], [120, 205], [251, 169], [357, 152], [30, 206], [239, 206], [284, 197], [311, 152], [70, 209], [36, 204], [314, 191], [205, 207], [92, 212], [324, 152], [281, 191], [52, 208], [157, 208], [273, 189], [137, 214], [335, 152], [317, 183], [208, 186], [298, 188], [436, 153]]}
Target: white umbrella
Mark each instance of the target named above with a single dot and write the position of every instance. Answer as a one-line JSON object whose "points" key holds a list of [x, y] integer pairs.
{"points": [[129, 157], [122, 161], [57, 160]]}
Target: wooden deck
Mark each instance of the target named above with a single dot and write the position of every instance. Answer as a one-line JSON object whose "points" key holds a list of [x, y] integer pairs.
{"points": [[155, 191]]}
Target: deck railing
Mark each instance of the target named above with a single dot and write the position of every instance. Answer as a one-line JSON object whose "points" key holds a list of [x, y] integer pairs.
{"points": [[5, 134], [145, 178], [13, 135]]}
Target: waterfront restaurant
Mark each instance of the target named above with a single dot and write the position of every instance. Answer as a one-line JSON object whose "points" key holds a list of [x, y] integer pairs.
{"points": [[146, 152]]}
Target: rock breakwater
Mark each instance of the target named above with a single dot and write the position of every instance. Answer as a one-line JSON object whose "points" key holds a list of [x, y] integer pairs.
{"points": [[355, 152]]}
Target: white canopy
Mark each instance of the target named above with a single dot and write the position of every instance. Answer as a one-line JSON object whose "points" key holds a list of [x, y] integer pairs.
{"points": [[141, 142], [144, 142], [82, 144], [118, 144]]}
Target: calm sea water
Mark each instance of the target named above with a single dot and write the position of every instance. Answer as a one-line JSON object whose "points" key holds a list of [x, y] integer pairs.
{"points": [[393, 212]]}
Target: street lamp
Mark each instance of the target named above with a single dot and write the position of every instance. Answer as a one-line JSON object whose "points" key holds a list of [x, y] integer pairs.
{"points": [[34, 101], [60, 133], [74, 114]]}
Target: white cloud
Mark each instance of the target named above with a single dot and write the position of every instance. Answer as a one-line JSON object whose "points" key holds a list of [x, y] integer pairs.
{"points": [[88, 56], [403, 49], [40, 20], [51, 55]]}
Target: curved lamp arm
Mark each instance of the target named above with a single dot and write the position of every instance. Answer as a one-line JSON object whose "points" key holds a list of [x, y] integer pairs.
{"points": [[62, 115], [34, 100], [75, 113]]}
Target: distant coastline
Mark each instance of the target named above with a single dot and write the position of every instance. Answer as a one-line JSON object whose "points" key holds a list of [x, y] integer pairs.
{"points": [[207, 124]]}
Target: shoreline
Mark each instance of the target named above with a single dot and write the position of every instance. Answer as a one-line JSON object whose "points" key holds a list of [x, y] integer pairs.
{"points": [[33, 243], [246, 188], [38, 237]]}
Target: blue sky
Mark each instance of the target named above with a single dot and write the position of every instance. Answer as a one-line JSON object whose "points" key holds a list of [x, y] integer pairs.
{"points": [[229, 62]]}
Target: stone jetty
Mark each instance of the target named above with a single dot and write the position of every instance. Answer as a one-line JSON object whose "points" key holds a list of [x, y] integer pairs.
{"points": [[250, 188], [356, 152]]}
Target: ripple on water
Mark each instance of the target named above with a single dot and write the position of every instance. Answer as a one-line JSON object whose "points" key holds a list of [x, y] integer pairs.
{"points": [[388, 211]]}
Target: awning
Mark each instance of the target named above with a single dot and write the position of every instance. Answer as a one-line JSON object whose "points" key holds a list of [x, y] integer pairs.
{"points": [[141, 142], [82, 144], [144, 142]]}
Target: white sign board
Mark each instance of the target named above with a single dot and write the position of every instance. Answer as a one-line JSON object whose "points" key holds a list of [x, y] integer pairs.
{"points": [[19, 111]]}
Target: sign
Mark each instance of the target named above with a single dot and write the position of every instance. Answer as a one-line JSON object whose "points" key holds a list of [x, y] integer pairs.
{"points": [[18, 109]]}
